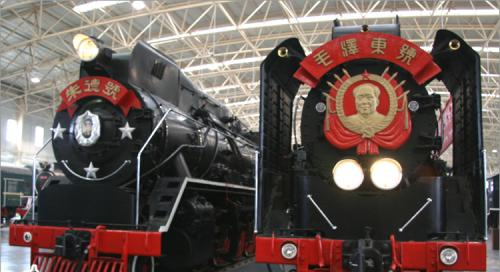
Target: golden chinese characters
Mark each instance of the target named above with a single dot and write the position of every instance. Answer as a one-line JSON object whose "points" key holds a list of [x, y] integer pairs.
{"points": [[91, 85], [72, 92], [111, 89], [406, 54], [349, 47], [322, 58], [378, 46]]}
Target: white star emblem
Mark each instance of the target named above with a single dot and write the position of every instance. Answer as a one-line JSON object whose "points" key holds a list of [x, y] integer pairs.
{"points": [[58, 131], [127, 131], [91, 170]]}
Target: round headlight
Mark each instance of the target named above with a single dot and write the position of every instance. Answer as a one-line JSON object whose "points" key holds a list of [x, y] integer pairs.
{"points": [[27, 237], [86, 47], [288, 251], [448, 256], [348, 174], [386, 174]]}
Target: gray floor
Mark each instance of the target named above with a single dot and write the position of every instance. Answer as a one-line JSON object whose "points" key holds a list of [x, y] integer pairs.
{"points": [[16, 259]]}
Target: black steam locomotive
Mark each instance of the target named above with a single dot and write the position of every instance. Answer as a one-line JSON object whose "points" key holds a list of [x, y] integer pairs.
{"points": [[153, 167], [365, 189]]}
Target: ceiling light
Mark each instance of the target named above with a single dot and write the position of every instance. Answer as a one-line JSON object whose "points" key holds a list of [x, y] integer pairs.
{"points": [[213, 30], [95, 5], [35, 80], [167, 39], [494, 151], [215, 66], [210, 66], [490, 75], [138, 5], [244, 60]]}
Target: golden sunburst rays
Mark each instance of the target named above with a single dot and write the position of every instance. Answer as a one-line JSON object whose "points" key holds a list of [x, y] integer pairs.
{"points": [[393, 76], [385, 71], [338, 78], [347, 75], [403, 95], [400, 84], [404, 107], [346, 72], [331, 85]]}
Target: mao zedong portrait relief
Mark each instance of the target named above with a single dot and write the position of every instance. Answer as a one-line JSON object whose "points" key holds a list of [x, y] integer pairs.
{"points": [[367, 121]]}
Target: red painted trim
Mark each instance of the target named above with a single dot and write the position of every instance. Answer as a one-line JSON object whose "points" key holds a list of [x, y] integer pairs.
{"points": [[336, 52], [122, 242], [327, 254], [105, 87]]}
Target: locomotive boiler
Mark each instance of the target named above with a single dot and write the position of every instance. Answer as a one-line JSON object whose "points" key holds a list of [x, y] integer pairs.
{"points": [[365, 189], [158, 175]]}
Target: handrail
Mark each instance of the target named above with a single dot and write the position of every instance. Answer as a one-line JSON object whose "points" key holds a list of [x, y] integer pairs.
{"points": [[256, 197], [334, 227], [427, 202], [138, 175], [65, 163], [33, 183], [485, 200]]}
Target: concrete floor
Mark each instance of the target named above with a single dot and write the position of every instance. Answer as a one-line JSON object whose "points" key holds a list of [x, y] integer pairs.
{"points": [[12, 259], [16, 259]]}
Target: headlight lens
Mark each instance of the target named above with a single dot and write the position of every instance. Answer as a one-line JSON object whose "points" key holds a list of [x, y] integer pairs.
{"points": [[448, 256], [386, 174], [348, 174], [288, 251], [86, 47]]}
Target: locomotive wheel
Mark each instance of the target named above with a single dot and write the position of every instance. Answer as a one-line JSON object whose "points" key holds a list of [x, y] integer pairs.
{"points": [[142, 264], [220, 259], [249, 246]]}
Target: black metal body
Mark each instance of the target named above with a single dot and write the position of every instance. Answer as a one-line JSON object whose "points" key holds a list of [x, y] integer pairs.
{"points": [[194, 119], [371, 211], [199, 138], [290, 173]]}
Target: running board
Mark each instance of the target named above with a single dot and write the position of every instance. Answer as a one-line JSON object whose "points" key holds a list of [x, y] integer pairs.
{"points": [[167, 194]]}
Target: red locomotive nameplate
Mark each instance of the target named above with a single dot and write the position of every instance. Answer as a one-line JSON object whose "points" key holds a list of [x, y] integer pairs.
{"points": [[367, 45], [104, 87]]}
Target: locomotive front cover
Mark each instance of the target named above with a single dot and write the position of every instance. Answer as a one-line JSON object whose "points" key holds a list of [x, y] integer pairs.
{"points": [[365, 188]]}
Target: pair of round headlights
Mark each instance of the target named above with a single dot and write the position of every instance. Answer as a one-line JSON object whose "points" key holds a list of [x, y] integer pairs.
{"points": [[385, 174]]}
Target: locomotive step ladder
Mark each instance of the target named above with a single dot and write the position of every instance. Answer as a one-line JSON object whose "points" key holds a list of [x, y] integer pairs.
{"points": [[164, 201], [167, 194]]}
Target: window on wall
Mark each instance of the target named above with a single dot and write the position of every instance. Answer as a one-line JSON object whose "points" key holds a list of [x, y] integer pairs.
{"points": [[39, 131], [12, 131]]}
